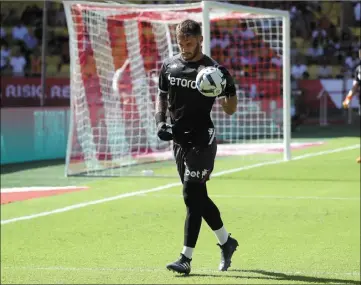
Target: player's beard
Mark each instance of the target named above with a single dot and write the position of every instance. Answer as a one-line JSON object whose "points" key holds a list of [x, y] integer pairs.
{"points": [[189, 56]]}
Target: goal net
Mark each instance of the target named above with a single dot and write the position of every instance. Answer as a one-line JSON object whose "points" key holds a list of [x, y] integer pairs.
{"points": [[116, 54]]}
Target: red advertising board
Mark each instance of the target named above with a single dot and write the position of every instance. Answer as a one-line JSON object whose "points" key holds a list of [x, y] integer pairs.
{"points": [[26, 92], [334, 91]]}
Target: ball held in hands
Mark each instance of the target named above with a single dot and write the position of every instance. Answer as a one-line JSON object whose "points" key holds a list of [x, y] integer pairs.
{"points": [[211, 81]]}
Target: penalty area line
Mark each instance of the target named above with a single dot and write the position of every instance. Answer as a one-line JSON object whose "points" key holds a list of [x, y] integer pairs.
{"points": [[167, 186]]}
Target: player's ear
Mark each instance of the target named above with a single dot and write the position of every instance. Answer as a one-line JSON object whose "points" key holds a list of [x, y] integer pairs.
{"points": [[201, 39]]}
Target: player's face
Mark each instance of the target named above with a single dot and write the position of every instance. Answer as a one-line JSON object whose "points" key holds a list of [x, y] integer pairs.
{"points": [[189, 46]]}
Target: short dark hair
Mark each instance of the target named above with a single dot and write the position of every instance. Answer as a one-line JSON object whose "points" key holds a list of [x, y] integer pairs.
{"points": [[189, 28]]}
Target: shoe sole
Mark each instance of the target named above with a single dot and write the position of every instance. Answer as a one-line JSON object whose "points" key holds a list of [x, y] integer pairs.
{"points": [[173, 270]]}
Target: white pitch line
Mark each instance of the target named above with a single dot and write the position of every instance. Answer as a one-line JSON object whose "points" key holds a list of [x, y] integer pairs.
{"points": [[40, 188], [313, 154], [157, 269], [167, 186], [85, 204]]}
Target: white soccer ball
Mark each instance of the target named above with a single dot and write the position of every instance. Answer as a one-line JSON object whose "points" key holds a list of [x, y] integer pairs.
{"points": [[210, 81]]}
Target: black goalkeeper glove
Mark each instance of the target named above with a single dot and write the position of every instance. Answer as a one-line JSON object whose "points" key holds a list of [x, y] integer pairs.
{"points": [[230, 88], [164, 131], [224, 71]]}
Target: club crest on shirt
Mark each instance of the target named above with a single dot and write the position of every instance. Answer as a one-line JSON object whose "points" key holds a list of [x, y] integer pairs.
{"points": [[174, 65]]}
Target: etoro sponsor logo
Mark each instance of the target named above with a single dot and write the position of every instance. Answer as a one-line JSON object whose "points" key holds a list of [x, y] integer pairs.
{"points": [[186, 83]]}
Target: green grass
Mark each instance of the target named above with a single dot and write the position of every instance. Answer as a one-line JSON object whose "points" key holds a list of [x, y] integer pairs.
{"points": [[296, 222]]}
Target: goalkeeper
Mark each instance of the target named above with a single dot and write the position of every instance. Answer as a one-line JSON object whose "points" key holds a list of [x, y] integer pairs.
{"points": [[193, 134], [354, 90]]}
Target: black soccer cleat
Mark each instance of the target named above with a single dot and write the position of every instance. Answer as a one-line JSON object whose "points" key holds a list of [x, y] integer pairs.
{"points": [[227, 251], [182, 265]]}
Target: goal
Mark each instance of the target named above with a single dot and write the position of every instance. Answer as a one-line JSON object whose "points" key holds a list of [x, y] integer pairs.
{"points": [[116, 54]]}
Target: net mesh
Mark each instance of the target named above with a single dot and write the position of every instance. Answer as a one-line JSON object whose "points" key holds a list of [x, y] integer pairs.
{"points": [[116, 55]]}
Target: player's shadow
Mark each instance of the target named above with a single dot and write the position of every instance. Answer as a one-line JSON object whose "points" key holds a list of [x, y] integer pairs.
{"points": [[279, 276]]}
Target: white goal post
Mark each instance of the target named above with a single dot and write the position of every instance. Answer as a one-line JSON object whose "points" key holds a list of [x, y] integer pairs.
{"points": [[116, 51]]}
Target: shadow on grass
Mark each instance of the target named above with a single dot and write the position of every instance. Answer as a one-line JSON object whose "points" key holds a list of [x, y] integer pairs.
{"points": [[327, 132], [287, 179], [16, 167], [279, 276]]}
